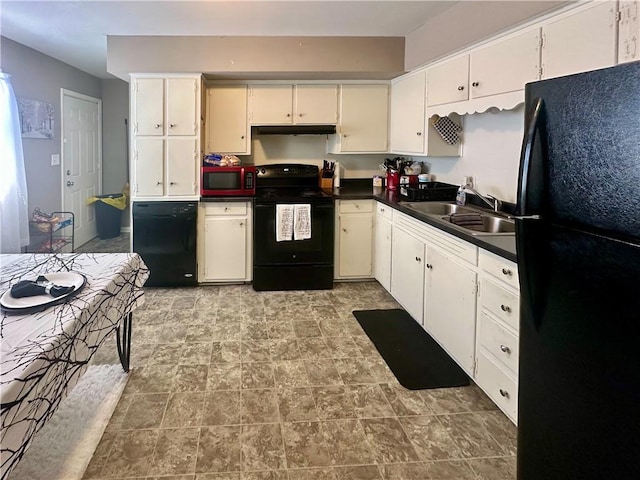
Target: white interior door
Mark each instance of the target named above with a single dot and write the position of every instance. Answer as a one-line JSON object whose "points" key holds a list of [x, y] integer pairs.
{"points": [[81, 160]]}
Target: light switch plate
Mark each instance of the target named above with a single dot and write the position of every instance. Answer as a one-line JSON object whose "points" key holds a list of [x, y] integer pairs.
{"points": [[55, 159]]}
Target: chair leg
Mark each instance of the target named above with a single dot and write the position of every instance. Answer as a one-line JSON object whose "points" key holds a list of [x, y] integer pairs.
{"points": [[123, 341]]}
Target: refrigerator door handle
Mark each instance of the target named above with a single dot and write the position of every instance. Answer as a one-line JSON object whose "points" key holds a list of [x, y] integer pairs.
{"points": [[525, 161]]}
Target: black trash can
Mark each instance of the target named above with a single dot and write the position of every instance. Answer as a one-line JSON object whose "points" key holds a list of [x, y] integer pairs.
{"points": [[108, 217]]}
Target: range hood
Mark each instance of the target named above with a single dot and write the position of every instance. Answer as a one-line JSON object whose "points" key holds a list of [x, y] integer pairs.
{"points": [[296, 130]]}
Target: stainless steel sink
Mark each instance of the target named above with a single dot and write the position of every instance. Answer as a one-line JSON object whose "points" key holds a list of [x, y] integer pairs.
{"points": [[492, 223], [437, 208]]}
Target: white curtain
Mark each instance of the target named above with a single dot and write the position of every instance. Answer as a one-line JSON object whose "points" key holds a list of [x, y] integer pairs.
{"points": [[14, 216]]}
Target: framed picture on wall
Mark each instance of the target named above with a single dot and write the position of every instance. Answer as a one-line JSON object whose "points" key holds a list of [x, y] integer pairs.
{"points": [[36, 118]]}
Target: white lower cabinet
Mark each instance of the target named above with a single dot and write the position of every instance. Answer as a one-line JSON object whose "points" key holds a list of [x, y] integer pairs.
{"points": [[450, 306], [466, 298], [497, 339], [382, 245], [225, 254], [354, 239], [407, 271]]}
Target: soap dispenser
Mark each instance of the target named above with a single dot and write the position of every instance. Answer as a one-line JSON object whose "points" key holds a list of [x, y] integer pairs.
{"points": [[461, 196]]}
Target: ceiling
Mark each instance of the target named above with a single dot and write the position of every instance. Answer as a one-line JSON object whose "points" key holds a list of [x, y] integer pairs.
{"points": [[75, 32]]}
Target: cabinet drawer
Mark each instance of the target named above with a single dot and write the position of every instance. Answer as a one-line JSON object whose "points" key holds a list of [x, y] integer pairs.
{"points": [[502, 389], [384, 211], [500, 342], [500, 302], [356, 206], [500, 268], [225, 208]]}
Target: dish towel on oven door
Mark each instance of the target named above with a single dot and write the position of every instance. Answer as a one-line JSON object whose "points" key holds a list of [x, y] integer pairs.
{"points": [[284, 222], [293, 222], [302, 222]]}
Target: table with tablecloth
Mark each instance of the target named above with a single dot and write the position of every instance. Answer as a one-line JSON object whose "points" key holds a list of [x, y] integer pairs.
{"points": [[43, 354]]}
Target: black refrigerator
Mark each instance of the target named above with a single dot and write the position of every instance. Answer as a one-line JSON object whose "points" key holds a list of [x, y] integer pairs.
{"points": [[578, 246]]}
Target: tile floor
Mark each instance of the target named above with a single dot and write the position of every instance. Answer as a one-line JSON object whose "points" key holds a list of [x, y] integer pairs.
{"points": [[117, 244], [233, 384]]}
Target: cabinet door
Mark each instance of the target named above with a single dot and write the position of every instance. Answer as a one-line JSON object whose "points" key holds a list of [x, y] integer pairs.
{"points": [[450, 306], [383, 252], [316, 104], [182, 99], [581, 42], [364, 118], [149, 167], [356, 245], [506, 66], [182, 160], [407, 114], [225, 248], [407, 272], [448, 82], [227, 130], [271, 104], [149, 106], [629, 31]]}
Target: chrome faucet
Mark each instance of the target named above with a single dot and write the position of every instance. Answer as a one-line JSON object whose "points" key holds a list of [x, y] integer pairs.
{"points": [[490, 200]]}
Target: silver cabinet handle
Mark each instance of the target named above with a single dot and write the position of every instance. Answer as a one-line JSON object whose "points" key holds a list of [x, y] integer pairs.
{"points": [[300, 114], [505, 349], [158, 125], [288, 115], [242, 137], [171, 125], [505, 308], [475, 84], [506, 271], [504, 393], [69, 184], [419, 133], [344, 230], [158, 183], [429, 266], [241, 224], [460, 88], [68, 172], [172, 183], [418, 259]]}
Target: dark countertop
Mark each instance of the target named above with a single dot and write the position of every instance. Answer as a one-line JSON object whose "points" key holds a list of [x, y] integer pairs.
{"points": [[502, 245], [226, 199], [362, 189]]}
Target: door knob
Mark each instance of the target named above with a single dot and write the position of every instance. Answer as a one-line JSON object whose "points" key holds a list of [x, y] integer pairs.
{"points": [[69, 183]]}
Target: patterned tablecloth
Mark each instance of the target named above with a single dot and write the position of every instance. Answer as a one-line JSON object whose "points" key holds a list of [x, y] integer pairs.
{"points": [[43, 355]]}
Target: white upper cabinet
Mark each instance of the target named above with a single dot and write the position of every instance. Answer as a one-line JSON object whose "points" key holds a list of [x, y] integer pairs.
{"points": [[629, 31], [149, 108], [364, 119], [271, 104], [227, 126], [409, 133], [448, 82], [583, 41], [294, 104], [165, 141], [316, 104], [166, 106], [505, 66], [407, 124]]}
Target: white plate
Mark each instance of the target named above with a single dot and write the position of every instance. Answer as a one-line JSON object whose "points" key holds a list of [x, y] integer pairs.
{"points": [[63, 279]]}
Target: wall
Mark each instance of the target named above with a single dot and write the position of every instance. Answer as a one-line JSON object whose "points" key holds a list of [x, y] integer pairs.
{"points": [[490, 153], [115, 110], [310, 149], [39, 77], [258, 57]]}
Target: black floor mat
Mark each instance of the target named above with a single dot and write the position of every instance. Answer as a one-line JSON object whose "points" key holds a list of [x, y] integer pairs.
{"points": [[415, 358]]}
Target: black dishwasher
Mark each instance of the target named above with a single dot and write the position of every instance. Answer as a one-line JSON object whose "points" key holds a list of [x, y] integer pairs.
{"points": [[164, 234]]}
